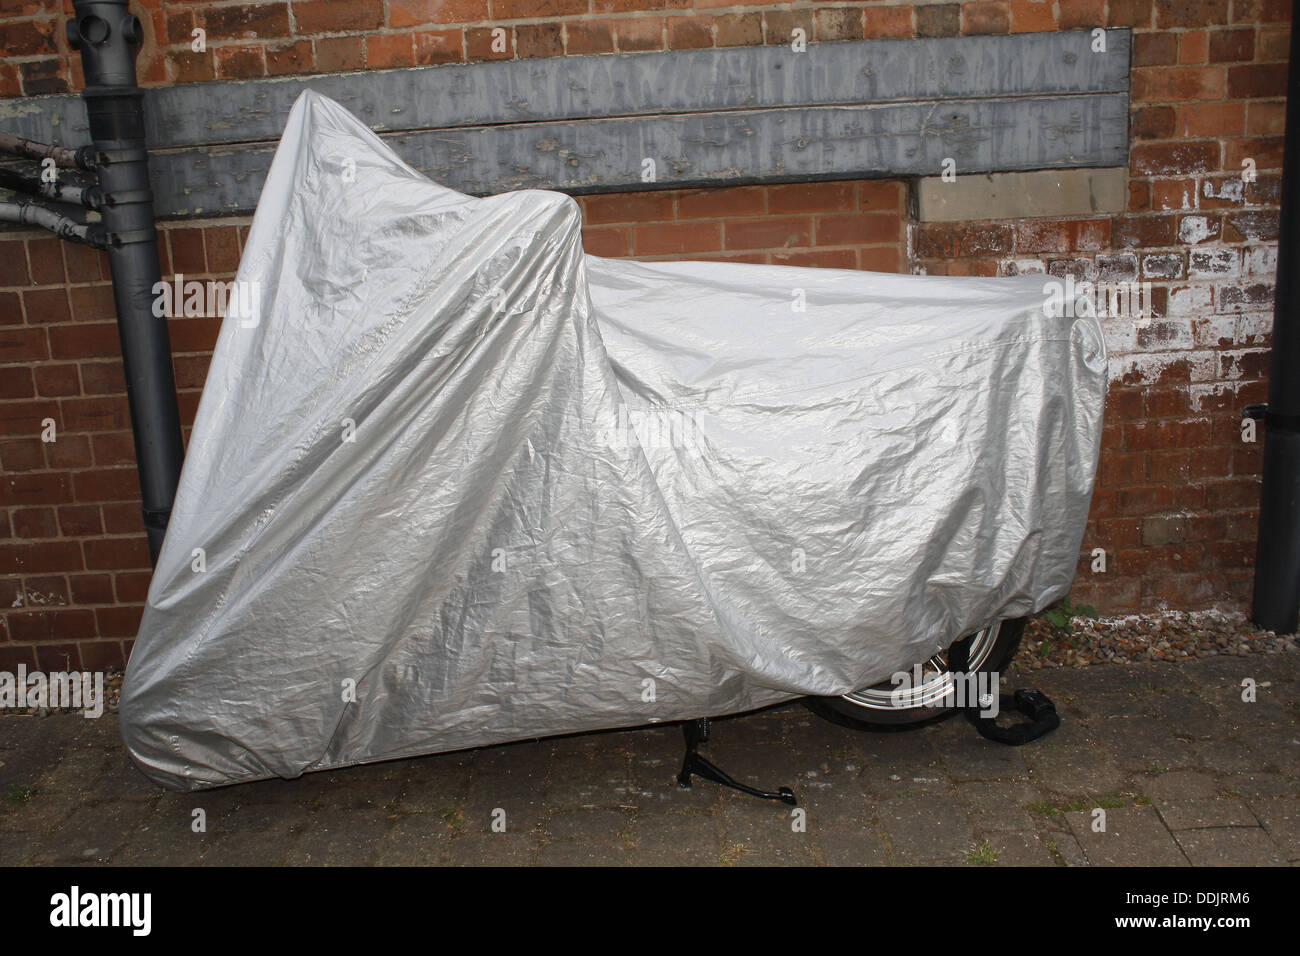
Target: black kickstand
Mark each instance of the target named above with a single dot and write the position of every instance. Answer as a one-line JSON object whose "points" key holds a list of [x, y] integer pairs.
{"points": [[697, 732]]}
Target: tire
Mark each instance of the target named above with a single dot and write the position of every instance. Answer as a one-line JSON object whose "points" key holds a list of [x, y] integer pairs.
{"points": [[872, 708]]}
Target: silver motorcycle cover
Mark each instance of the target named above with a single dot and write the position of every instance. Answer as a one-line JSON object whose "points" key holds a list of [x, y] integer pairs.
{"points": [[453, 482]]}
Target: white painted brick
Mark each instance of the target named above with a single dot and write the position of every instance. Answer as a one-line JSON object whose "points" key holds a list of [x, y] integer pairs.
{"points": [[1121, 335], [1194, 229], [1165, 334], [1261, 260], [1253, 328], [1246, 297], [1204, 365], [1185, 202], [1212, 330], [1162, 265], [1145, 368], [1211, 396], [1190, 300], [1231, 190], [1024, 267], [1214, 263]]}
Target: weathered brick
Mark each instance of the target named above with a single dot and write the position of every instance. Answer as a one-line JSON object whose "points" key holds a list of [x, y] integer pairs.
{"points": [[1193, 46], [1041, 235], [1163, 265], [812, 197], [22, 344], [1244, 298], [340, 54], [1190, 13], [1173, 194], [17, 382], [102, 655], [1080, 14], [39, 558], [1152, 122], [44, 77], [770, 232], [34, 523], [418, 13], [237, 62], [1129, 13], [986, 17], [739, 29], [116, 554], [880, 259], [1175, 84], [818, 258], [121, 621], [730, 201], [845, 23], [1214, 263], [26, 37], [62, 624], [665, 238], [892, 21], [1121, 267], [90, 303], [102, 413], [76, 521], [951, 241], [1265, 118], [70, 451], [629, 207], [597, 36], [1274, 43], [1257, 81], [91, 588], [1032, 16], [939, 19], [647, 33], [329, 16], [1210, 119], [852, 228], [46, 260], [543, 39], [246, 22], [1232, 45], [1250, 226], [520, 9], [1175, 159], [1194, 229], [131, 586]]}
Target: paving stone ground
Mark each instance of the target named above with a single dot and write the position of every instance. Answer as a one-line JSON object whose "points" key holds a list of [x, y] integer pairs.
{"points": [[1153, 764]]}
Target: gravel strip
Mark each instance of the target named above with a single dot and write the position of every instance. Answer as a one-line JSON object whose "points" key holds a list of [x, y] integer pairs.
{"points": [[1157, 636]]}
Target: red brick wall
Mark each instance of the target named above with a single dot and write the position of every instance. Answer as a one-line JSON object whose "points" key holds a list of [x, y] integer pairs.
{"points": [[1175, 503], [74, 564]]}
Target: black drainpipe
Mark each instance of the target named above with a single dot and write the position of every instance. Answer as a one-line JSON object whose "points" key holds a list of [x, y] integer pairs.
{"points": [[1276, 605], [109, 37]]}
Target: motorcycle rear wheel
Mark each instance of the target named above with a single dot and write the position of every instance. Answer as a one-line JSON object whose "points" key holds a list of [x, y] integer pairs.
{"points": [[884, 706]]}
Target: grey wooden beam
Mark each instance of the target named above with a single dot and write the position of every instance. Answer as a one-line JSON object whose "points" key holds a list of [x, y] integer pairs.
{"points": [[698, 149], [707, 117], [638, 84]]}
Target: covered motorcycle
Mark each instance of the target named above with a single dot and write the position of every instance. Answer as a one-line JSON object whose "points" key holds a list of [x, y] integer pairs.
{"points": [[453, 482]]}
